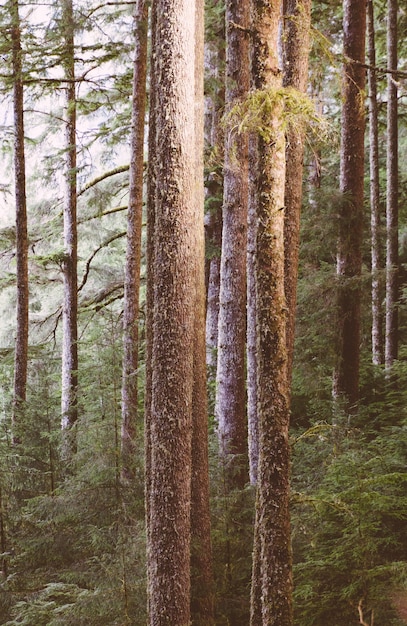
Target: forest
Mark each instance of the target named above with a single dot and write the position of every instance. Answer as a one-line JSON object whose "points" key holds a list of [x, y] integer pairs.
{"points": [[203, 305]]}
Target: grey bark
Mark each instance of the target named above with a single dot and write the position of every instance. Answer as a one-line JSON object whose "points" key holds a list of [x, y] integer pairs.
{"points": [[392, 261], [69, 400], [230, 409], [133, 249], [21, 343], [375, 213]]}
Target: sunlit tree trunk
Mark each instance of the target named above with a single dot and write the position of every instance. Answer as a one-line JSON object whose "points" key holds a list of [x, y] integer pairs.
{"points": [[69, 399], [392, 260], [349, 256], [271, 603], [202, 589], [297, 23], [230, 407], [21, 344], [173, 316], [375, 217], [133, 251]]}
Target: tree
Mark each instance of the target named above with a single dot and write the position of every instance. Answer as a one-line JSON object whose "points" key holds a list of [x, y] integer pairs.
{"points": [[21, 345], [69, 399], [133, 251], [375, 217], [392, 289], [230, 409], [173, 316], [297, 23], [349, 254], [271, 600], [202, 588]]}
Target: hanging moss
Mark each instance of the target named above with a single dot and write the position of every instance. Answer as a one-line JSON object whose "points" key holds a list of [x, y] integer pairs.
{"points": [[293, 109]]}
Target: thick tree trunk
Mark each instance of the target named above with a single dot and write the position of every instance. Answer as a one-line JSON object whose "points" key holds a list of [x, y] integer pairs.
{"points": [[375, 216], [133, 251], [297, 17], [392, 260], [272, 567], [69, 400], [349, 257], [21, 344], [230, 407], [202, 588], [151, 203], [174, 312]]}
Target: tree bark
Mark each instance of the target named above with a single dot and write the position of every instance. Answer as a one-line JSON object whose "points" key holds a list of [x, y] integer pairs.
{"points": [[392, 261], [349, 255], [375, 214], [202, 587], [230, 410], [133, 250], [272, 566], [21, 344], [69, 399], [297, 19], [174, 312]]}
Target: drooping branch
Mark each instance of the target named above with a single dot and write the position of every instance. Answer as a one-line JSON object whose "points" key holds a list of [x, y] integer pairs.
{"points": [[106, 243]]}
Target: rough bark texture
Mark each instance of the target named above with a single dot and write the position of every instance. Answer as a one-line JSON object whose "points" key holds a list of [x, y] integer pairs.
{"points": [[69, 400], [230, 407], [251, 340], [151, 201], [21, 344], [174, 309], [202, 588], [272, 567], [349, 258], [297, 22], [133, 250], [214, 139], [392, 261], [375, 216]]}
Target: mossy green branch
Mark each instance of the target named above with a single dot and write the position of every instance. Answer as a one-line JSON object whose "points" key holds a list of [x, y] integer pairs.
{"points": [[293, 110]]}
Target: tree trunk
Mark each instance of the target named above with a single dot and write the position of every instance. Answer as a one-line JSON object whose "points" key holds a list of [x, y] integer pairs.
{"points": [[133, 251], [151, 202], [202, 588], [392, 261], [230, 407], [297, 16], [21, 344], [375, 217], [174, 312], [349, 256], [272, 566], [69, 400]]}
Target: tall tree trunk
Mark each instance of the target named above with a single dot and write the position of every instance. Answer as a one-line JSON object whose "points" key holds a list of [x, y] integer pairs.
{"points": [[349, 256], [252, 416], [214, 137], [174, 313], [202, 588], [297, 16], [375, 217], [392, 261], [230, 407], [133, 251], [151, 204], [21, 344], [272, 566], [69, 399]]}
